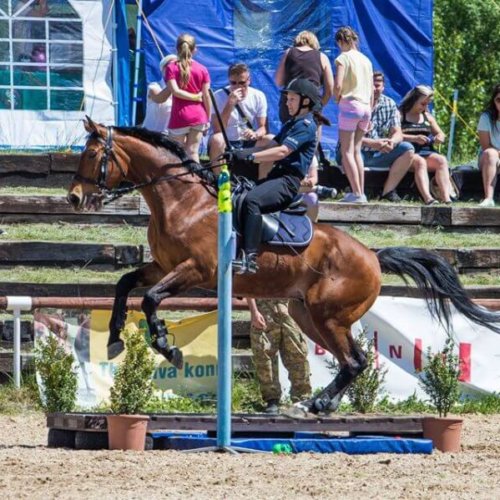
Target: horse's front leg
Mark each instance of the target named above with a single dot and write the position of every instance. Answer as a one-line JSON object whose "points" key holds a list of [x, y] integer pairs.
{"points": [[183, 277], [145, 276]]}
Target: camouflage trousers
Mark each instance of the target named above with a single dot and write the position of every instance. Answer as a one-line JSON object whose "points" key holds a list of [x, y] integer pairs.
{"points": [[283, 336]]}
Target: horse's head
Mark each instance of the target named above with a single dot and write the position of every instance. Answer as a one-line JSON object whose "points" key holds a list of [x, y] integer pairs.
{"points": [[99, 169]]}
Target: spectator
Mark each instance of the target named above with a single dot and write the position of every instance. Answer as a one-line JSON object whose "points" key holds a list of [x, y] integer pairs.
{"points": [[421, 129], [304, 60], [159, 104], [273, 332], [243, 111], [489, 138], [383, 146], [353, 90], [188, 119]]}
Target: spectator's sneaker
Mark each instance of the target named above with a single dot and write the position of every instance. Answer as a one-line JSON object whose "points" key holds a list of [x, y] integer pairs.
{"points": [[353, 198], [272, 407], [392, 196], [324, 192], [487, 203], [431, 202]]}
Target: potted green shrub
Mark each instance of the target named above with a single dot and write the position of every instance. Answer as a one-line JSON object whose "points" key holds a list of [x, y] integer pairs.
{"points": [[59, 380], [439, 380], [130, 394]]}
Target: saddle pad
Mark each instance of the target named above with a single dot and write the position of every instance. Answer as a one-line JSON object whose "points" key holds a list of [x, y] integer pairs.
{"points": [[299, 225]]}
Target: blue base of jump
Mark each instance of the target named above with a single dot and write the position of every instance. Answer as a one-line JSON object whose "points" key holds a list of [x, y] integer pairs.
{"points": [[301, 442]]}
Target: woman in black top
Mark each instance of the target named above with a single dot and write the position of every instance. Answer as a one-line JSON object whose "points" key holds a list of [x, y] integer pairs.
{"points": [[421, 129], [304, 60]]}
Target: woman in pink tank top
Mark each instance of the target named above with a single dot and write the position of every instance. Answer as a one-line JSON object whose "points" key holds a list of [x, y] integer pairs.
{"points": [[189, 119]]}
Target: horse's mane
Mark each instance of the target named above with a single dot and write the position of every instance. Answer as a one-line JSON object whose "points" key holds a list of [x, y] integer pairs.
{"points": [[161, 140]]}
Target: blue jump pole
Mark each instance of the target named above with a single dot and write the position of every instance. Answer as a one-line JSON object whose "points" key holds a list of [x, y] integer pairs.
{"points": [[224, 295]]}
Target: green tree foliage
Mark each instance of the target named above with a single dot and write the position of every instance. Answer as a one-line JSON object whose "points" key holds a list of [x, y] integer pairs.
{"points": [[467, 48], [132, 389], [59, 379]]}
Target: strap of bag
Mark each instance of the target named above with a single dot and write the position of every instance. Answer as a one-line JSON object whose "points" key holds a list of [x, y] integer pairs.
{"points": [[247, 122]]}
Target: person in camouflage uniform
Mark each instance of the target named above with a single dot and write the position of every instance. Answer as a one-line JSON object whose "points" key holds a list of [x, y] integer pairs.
{"points": [[273, 331]]}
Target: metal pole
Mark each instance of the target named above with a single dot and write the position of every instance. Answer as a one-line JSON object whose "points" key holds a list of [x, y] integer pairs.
{"points": [[114, 55], [138, 34], [224, 292], [16, 305], [452, 125]]}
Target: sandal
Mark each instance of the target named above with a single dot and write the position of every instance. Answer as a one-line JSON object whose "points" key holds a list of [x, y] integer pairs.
{"points": [[431, 202]]}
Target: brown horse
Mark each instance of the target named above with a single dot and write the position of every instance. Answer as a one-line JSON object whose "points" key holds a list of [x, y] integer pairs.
{"points": [[332, 282]]}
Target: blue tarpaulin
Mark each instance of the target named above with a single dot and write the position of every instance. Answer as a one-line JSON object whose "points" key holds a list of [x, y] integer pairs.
{"points": [[395, 34]]}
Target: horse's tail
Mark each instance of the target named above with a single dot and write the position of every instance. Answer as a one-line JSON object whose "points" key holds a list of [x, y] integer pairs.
{"points": [[438, 281]]}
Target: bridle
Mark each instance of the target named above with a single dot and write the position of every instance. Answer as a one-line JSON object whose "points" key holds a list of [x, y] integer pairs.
{"points": [[108, 155]]}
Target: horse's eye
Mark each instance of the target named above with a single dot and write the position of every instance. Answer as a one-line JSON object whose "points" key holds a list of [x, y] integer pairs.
{"points": [[92, 153]]}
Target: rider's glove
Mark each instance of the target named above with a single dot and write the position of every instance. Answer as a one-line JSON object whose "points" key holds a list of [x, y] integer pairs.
{"points": [[243, 155]]}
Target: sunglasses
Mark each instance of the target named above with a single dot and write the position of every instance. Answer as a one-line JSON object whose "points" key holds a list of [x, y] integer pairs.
{"points": [[238, 82]]}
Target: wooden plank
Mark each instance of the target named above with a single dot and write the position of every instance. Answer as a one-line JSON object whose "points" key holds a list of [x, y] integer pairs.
{"points": [[76, 218], [436, 216], [50, 253], [248, 423], [475, 216], [60, 162], [33, 164], [370, 212], [127, 205], [7, 361]]}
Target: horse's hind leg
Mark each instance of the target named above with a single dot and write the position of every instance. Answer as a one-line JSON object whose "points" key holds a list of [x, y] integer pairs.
{"points": [[144, 276], [336, 339]]}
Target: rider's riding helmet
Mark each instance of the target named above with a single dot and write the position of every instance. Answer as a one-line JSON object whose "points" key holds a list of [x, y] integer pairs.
{"points": [[306, 89]]}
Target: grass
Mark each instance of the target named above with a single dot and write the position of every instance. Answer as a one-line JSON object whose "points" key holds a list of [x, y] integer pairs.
{"points": [[425, 238], [14, 401], [245, 399], [137, 235], [77, 233]]}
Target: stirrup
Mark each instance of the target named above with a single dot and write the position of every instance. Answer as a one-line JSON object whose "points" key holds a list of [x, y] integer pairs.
{"points": [[239, 264]]}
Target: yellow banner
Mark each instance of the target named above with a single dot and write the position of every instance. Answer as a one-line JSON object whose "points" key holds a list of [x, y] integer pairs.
{"points": [[196, 336]]}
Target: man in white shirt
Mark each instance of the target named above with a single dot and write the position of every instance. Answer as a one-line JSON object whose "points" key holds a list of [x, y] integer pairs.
{"points": [[246, 126]]}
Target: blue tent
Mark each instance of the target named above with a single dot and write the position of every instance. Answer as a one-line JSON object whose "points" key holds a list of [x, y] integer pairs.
{"points": [[395, 34]]}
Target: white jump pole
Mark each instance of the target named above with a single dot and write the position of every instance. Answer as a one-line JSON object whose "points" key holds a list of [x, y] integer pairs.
{"points": [[16, 305]]}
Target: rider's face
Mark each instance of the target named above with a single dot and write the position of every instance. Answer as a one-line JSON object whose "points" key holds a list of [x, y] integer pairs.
{"points": [[292, 102]]}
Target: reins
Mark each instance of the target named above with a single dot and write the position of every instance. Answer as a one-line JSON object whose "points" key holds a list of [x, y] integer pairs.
{"points": [[114, 193]]}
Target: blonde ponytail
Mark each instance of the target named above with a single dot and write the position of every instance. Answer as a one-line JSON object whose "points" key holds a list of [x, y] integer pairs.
{"points": [[185, 47]]}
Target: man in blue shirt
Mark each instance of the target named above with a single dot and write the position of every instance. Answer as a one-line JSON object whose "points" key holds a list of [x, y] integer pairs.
{"points": [[291, 151]]}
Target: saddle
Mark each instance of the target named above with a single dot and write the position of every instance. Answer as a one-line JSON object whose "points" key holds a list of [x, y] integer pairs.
{"points": [[291, 227]]}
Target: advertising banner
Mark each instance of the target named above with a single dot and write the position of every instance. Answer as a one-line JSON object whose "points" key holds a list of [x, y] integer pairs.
{"points": [[86, 338]]}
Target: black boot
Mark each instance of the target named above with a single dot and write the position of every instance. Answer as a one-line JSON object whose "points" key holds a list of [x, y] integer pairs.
{"points": [[252, 231]]}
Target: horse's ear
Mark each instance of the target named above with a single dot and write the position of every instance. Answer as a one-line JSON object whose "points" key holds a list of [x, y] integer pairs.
{"points": [[89, 125]]}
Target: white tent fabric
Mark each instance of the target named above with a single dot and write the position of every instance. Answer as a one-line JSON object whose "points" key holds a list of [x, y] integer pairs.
{"points": [[28, 129]]}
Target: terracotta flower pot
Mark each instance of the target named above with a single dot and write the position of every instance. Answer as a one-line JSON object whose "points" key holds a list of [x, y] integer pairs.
{"points": [[444, 432], [127, 432]]}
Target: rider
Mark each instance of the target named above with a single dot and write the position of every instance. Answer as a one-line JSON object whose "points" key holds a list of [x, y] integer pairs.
{"points": [[292, 150]]}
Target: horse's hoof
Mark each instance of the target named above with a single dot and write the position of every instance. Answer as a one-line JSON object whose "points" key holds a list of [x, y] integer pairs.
{"points": [[297, 411], [115, 349], [176, 357]]}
